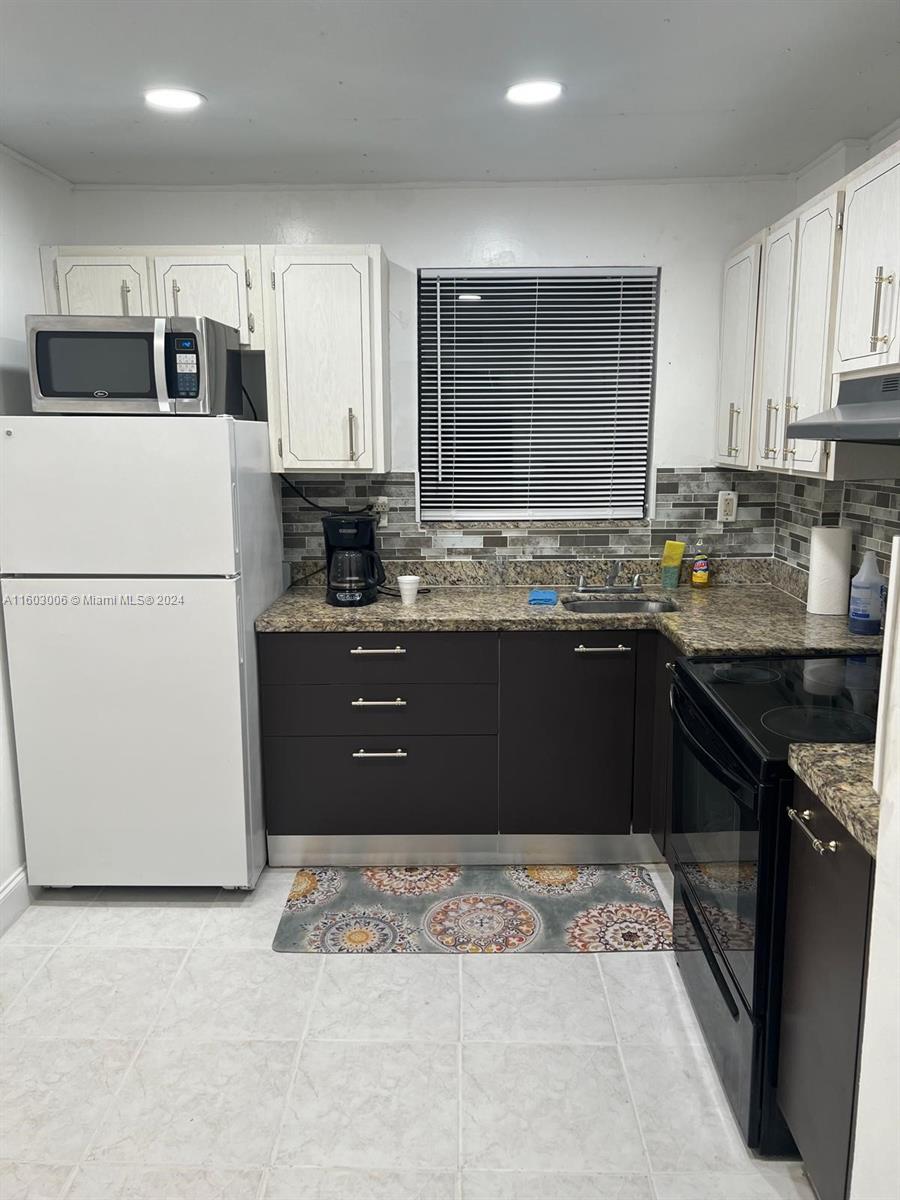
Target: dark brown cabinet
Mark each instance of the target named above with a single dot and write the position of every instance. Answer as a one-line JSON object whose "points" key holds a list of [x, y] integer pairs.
{"points": [[398, 709], [566, 732], [826, 934], [517, 733], [359, 658], [381, 785], [379, 733]]}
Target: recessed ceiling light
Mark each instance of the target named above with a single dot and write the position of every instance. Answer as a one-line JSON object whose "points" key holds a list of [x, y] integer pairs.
{"points": [[468, 296], [534, 91], [173, 99]]}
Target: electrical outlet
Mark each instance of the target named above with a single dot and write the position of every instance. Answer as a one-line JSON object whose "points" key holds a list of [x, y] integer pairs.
{"points": [[727, 507]]}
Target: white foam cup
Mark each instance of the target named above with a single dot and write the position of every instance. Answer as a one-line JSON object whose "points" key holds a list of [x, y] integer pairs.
{"points": [[409, 587]]}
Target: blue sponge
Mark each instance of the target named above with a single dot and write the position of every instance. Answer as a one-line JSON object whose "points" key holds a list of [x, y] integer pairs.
{"points": [[542, 596]]}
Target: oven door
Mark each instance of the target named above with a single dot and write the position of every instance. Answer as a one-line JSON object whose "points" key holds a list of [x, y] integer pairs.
{"points": [[729, 1029], [98, 365], [715, 837]]}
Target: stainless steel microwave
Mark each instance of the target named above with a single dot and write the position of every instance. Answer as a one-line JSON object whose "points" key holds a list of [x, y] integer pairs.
{"points": [[136, 365]]}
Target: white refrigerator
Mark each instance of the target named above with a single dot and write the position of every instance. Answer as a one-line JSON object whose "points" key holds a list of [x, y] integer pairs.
{"points": [[135, 554]]}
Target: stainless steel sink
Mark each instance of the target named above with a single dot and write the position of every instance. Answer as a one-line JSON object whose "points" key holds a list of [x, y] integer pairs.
{"points": [[620, 606]]}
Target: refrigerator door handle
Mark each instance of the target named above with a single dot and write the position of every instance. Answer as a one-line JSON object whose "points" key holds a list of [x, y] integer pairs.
{"points": [[159, 365]]}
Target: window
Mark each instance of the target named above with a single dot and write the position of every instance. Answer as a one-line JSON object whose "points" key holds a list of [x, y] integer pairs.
{"points": [[535, 392]]}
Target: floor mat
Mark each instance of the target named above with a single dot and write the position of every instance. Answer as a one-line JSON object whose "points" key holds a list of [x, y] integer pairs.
{"points": [[473, 910]]}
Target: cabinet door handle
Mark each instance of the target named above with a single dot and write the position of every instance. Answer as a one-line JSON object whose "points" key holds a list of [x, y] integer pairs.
{"points": [[733, 415], [350, 423], [175, 290], [386, 650], [876, 340], [360, 703], [379, 754], [800, 819], [125, 290], [582, 649], [769, 451], [786, 449]]}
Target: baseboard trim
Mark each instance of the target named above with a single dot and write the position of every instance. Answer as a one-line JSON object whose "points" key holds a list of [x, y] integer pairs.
{"points": [[297, 850], [15, 896]]}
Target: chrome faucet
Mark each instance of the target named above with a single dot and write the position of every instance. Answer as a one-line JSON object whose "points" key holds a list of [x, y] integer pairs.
{"points": [[612, 574]]}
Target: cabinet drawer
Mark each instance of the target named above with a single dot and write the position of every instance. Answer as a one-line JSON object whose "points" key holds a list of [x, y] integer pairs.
{"points": [[378, 708], [317, 785], [360, 658]]}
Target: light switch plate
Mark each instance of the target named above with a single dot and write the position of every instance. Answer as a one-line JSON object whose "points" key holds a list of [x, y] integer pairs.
{"points": [[727, 507]]}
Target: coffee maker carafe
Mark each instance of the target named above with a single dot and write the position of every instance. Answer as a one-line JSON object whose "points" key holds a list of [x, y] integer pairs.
{"points": [[353, 567]]}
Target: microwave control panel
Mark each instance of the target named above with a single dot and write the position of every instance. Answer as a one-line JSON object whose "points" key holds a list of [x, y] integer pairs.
{"points": [[186, 376]]}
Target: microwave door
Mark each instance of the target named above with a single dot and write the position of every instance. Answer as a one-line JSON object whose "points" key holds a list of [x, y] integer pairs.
{"points": [[98, 364]]}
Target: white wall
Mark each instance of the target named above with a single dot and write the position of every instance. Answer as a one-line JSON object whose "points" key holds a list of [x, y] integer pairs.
{"points": [[828, 168], [884, 138], [685, 228], [33, 209]]}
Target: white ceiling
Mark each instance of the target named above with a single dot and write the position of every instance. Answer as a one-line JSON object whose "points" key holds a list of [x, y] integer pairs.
{"points": [[389, 91]]}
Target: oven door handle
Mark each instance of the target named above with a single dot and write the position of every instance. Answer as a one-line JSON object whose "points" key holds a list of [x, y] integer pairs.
{"points": [[733, 782]]}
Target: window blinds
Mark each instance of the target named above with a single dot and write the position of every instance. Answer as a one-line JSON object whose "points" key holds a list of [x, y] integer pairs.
{"points": [[535, 392]]}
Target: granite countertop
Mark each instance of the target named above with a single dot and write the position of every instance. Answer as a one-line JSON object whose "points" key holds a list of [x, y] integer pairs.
{"points": [[728, 619], [840, 775]]}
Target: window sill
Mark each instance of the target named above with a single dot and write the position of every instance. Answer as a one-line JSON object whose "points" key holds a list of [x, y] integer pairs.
{"points": [[537, 526]]}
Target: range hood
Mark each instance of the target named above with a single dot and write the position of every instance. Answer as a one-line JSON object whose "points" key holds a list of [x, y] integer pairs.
{"points": [[867, 410]]}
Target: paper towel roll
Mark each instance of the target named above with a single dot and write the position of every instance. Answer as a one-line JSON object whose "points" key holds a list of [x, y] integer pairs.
{"points": [[829, 571]]}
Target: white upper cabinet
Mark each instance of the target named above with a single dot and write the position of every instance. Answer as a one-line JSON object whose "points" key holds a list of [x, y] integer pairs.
{"points": [[203, 285], [103, 285], [737, 340], [815, 288], [326, 358], [221, 282], [868, 330], [776, 298]]}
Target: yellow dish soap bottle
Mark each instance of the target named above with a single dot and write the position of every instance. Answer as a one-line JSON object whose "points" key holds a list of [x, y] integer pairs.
{"points": [[700, 566]]}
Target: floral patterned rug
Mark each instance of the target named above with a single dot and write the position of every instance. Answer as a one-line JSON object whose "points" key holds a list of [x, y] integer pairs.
{"points": [[473, 910]]}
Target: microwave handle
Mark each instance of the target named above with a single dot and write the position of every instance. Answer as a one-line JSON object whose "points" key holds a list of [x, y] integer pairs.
{"points": [[734, 783], [159, 365]]}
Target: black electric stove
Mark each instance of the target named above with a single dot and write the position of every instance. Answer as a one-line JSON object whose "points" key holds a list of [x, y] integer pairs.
{"points": [[762, 705], [734, 721]]}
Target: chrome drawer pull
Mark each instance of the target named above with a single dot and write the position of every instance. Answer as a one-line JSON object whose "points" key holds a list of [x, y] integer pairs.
{"points": [[800, 818], [389, 650], [602, 649], [360, 703], [379, 754]]}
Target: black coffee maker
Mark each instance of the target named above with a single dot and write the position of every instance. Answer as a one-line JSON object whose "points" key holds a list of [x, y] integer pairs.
{"points": [[352, 566]]}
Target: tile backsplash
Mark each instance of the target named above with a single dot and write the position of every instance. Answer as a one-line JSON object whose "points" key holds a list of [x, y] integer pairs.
{"points": [[871, 509], [769, 540], [539, 551]]}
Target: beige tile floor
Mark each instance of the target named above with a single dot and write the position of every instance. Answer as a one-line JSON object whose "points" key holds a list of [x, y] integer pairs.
{"points": [[154, 1048]]}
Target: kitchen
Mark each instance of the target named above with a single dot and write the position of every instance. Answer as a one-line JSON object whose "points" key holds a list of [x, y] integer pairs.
{"points": [[520, 358]]}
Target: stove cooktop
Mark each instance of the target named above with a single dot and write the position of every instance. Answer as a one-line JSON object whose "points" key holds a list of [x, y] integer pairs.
{"points": [[776, 701]]}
